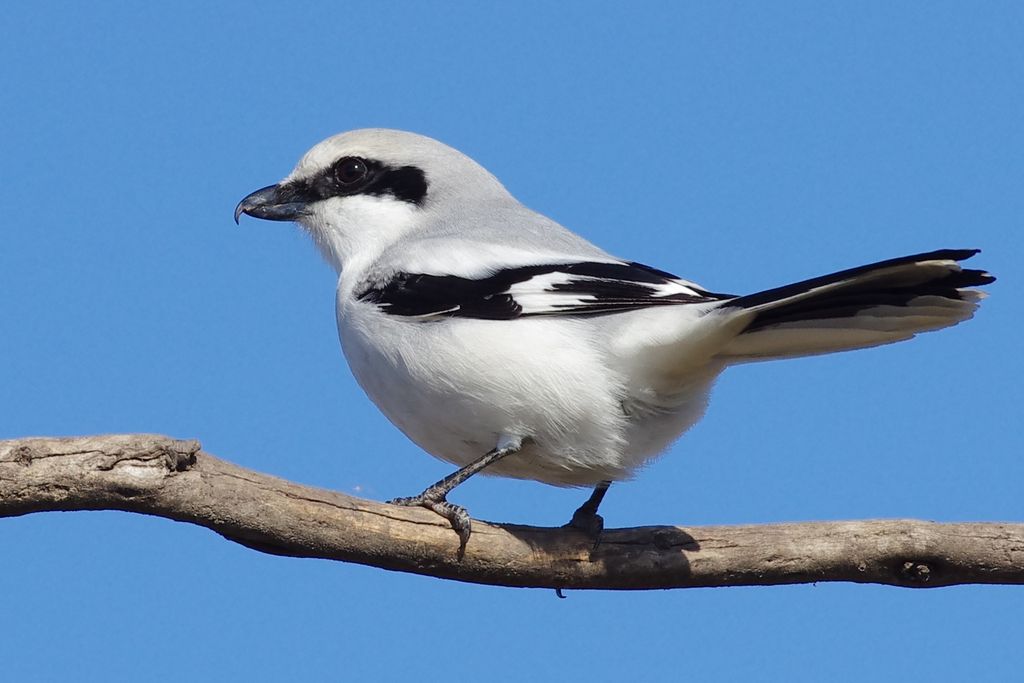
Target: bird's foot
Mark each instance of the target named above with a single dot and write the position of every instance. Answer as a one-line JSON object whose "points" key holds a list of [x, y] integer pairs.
{"points": [[456, 515], [589, 522]]}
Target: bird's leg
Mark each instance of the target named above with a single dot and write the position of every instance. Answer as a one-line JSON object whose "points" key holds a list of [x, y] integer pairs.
{"points": [[434, 497], [586, 518]]}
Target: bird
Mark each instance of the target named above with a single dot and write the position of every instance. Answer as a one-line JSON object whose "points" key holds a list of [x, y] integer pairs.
{"points": [[501, 342]]}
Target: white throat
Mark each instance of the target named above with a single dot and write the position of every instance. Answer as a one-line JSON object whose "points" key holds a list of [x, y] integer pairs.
{"points": [[351, 232]]}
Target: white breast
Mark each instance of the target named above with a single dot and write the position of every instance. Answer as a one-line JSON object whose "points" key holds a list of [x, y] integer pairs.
{"points": [[457, 385]]}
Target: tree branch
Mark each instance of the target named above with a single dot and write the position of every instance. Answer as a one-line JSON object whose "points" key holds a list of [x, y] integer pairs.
{"points": [[157, 475]]}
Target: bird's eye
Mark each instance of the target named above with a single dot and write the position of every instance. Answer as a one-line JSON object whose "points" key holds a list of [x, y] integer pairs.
{"points": [[350, 170]]}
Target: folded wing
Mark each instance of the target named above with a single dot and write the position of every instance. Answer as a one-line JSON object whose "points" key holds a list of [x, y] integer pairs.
{"points": [[584, 288]]}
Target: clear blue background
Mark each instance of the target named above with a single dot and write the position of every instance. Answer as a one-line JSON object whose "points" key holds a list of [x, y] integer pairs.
{"points": [[743, 145]]}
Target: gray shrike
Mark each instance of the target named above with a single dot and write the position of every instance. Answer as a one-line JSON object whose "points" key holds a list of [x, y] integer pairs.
{"points": [[497, 340]]}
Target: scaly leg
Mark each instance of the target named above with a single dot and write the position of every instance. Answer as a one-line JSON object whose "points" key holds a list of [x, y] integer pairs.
{"points": [[434, 497], [586, 518]]}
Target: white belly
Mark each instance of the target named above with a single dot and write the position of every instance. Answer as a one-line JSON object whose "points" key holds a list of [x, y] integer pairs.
{"points": [[456, 386]]}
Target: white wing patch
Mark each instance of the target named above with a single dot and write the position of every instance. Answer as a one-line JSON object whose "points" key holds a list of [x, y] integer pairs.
{"points": [[557, 292], [578, 288]]}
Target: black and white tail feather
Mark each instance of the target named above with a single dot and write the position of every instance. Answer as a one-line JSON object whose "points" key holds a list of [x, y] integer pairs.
{"points": [[880, 303]]}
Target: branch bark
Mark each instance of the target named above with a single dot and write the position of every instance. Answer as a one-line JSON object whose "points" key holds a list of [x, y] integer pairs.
{"points": [[170, 478]]}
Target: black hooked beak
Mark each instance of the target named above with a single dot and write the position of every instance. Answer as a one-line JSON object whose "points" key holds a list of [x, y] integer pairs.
{"points": [[268, 203]]}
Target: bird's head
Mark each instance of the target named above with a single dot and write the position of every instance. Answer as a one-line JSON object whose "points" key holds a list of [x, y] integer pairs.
{"points": [[359, 192]]}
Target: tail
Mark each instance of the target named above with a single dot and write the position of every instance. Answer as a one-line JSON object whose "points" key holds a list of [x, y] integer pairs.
{"points": [[881, 303]]}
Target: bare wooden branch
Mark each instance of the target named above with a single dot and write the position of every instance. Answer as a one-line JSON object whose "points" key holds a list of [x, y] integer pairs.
{"points": [[157, 475]]}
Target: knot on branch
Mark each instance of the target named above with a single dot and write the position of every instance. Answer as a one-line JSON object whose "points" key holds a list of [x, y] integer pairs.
{"points": [[175, 455], [916, 572], [181, 454]]}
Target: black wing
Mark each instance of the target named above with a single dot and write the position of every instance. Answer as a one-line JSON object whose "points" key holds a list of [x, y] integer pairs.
{"points": [[582, 288]]}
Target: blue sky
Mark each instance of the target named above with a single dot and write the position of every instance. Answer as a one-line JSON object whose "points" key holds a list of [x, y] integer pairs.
{"points": [[742, 145]]}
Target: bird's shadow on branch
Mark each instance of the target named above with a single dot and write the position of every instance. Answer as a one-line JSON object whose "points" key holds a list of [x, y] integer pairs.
{"points": [[617, 552], [613, 550]]}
